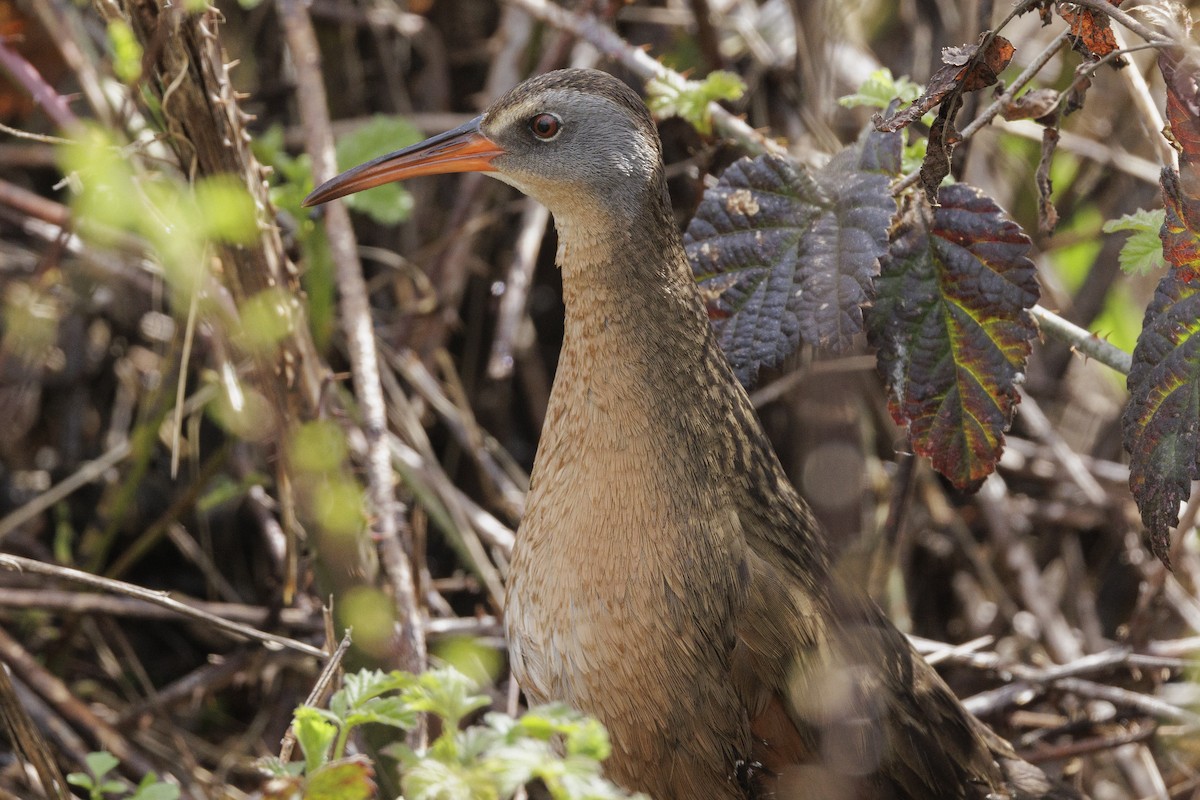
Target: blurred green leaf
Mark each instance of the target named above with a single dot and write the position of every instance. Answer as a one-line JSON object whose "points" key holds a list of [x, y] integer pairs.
{"points": [[880, 89], [151, 788], [348, 779], [317, 447], [447, 693], [126, 51], [100, 763], [390, 203], [669, 95], [266, 319], [226, 210]]}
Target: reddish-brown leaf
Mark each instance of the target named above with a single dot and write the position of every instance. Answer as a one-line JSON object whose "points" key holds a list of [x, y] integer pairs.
{"points": [[1092, 34], [1180, 68], [966, 68]]}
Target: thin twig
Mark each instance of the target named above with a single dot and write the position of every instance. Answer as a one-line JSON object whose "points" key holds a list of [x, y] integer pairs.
{"points": [[270, 640], [516, 289], [318, 694]]}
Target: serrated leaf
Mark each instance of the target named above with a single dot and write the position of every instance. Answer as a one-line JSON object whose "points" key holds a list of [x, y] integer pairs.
{"points": [[1162, 422], [429, 779], [584, 735], [952, 326], [393, 711], [1179, 67], [1180, 232], [966, 68], [788, 256], [390, 203], [359, 687], [347, 779], [315, 734], [447, 693], [880, 151], [153, 789], [1142, 252]]}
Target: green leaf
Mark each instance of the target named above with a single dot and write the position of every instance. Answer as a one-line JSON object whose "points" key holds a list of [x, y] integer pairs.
{"points": [[785, 255], [1142, 252], [390, 203], [393, 711], [880, 89], [359, 687], [447, 693], [430, 779], [80, 779], [347, 779], [315, 734], [584, 736], [291, 176], [100, 763], [952, 326], [669, 95], [153, 789]]}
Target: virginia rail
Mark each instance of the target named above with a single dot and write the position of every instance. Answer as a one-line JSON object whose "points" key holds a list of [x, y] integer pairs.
{"points": [[666, 576]]}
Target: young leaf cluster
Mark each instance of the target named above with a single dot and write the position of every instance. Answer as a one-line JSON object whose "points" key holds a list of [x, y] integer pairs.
{"points": [[99, 786], [669, 97], [492, 760]]}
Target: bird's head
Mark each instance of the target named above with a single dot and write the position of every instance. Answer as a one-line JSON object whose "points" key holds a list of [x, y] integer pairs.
{"points": [[579, 141]]}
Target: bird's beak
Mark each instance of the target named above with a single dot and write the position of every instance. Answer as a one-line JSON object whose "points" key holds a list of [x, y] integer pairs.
{"points": [[464, 149]]}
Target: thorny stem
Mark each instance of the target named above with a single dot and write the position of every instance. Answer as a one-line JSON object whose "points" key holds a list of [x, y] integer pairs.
{"points": [[1083, 340]]}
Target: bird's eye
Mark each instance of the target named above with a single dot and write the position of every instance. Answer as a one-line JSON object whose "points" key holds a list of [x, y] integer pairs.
{"points": [[545, 126]]}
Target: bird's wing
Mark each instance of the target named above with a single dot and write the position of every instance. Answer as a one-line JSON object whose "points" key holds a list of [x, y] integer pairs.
{"points": [[833, 686]]}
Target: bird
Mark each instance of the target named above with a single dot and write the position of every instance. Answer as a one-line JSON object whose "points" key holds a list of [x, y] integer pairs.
{"points": [[666, 577]]}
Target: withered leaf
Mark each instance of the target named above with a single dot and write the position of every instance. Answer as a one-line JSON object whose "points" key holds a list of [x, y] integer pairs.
{"points": [[966, 69], [1034, 104], [1091, 32]]}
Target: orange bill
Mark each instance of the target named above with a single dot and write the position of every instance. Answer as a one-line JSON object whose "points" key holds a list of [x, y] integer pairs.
{"points": [[464, 149]]}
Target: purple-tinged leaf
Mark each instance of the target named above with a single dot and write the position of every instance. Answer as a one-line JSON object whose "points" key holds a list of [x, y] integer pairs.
{"points": [[952, 325], [789, 256]]}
